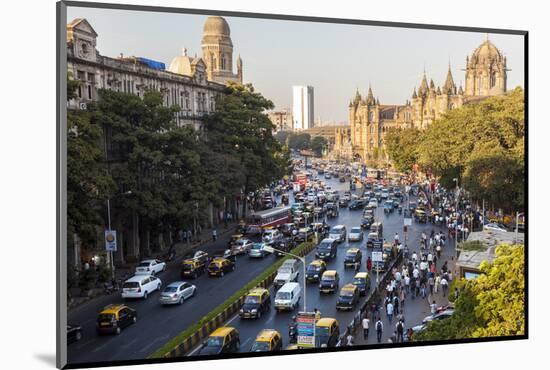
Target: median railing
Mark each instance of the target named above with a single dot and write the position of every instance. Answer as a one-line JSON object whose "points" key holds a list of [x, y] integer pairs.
{"points": [[191, 337]]}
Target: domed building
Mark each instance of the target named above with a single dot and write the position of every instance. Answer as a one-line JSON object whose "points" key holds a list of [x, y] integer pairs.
{"points": [[486, 71], [217, 51], [369, 120]]}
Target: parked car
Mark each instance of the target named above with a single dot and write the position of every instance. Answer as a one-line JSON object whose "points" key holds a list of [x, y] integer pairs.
{"points": [[256, 302], [355, 234], [74, 333], [439, 316], [115, 317], [177, 292], [222, 340], [150, 267], [140, 286], [495, 226]]}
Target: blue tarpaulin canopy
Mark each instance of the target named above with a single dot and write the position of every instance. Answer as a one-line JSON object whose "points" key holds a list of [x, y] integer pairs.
{"points": [[152, 63]]}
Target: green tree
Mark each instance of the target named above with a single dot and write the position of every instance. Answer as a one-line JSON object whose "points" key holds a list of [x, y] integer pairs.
{"points": [[318, 145], [88, 184], [240, 135], [299, 141], [401, 146], [491, 305], [482, 145]]}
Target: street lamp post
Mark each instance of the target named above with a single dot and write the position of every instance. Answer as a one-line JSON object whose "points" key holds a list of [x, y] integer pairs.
{"points": [[269, 249]]}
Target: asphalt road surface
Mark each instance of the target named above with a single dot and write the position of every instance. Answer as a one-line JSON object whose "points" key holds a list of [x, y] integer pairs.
{"points": [[326, 303]]}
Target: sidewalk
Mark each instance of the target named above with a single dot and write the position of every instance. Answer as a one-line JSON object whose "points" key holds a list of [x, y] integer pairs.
{"points": [[123, 272]]}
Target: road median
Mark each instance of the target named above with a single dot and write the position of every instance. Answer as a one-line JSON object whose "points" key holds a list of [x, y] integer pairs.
{"points": [[192, 336]]}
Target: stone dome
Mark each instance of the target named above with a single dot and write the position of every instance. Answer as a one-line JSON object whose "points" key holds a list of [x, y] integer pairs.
{"points": [[216, 26], [486, 52], [181, 64]]}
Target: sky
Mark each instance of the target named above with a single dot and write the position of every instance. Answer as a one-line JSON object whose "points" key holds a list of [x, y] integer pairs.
{"points": [[335, 59]]}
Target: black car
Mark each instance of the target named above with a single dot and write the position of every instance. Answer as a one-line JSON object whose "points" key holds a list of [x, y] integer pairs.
{"points": [[366, 222], [327, 249], [343, 202], [74, 333], [357, 204], [285, 245], [353, 255]]}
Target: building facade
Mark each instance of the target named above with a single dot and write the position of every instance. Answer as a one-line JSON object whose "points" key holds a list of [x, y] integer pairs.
{"points": [[302, 107], [189, 82], [282, 120], [485, 76]]}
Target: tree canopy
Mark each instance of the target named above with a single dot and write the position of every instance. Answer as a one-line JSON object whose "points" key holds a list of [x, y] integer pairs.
{"points": [[318, 145], [491, 305]]}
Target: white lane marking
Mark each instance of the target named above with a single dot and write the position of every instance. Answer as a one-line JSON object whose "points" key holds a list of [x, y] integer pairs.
{"points": [[164, 338], [243, 345]]}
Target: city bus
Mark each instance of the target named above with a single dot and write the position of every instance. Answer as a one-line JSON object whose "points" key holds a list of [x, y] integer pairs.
{"points": [[273, 217]]}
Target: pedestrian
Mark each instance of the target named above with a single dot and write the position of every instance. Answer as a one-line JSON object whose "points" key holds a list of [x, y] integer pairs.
{"points": [[433, 307], [389, 311], [214, 235], [396, 304], [431, 283], [357, 265], [444, 285], [413, 288], [366, 323], [369, 264], [374, 311], [456, 293], [414, 257], [400, 328], [388, 289], [407, 282], [379, 329], [402, 297], [423, 290], [349, 339], [437, 283]]}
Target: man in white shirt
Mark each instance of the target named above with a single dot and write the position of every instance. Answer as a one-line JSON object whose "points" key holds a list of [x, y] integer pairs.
{"points": [[416, 273], [389, 311], [365, 323]]}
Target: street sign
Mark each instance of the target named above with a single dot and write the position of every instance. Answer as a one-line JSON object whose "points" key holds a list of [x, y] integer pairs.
{"points": [[377, 256], [110, 240], [306, 329]]}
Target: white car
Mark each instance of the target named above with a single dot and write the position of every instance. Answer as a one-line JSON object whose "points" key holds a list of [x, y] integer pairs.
{"points": [[355, 234], [271, 236], [242, 246], [177, 292], [495, 226], [150, 267], [140, 286]]}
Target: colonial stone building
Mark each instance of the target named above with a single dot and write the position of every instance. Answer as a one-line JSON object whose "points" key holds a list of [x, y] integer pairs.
{"points": [[282, 120], [192, 83], [369, 120]]}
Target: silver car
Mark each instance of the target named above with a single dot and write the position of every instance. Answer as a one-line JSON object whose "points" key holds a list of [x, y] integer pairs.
{"points": [[177, 292]]}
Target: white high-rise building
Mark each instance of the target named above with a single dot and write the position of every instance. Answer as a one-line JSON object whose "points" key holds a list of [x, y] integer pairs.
{"points": [[302, 107]]}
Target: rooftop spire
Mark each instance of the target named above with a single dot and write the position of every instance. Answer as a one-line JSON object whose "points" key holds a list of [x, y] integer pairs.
{"points": [[449, 85], [370, 96]]}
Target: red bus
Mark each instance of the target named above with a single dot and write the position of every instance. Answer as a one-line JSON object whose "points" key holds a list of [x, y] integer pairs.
{"points": [[273, 217]]}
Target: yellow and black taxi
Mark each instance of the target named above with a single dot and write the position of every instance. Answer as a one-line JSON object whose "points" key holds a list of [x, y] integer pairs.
{"points": [[353, 256], [114, 318], [315, 270], [348, 298], [291, 347], [330, 280], [362, 281], [233, 239], [219, 266], [256, 302], [222, 340], [327, 332], [420, 215], [192, 268], [268, 340]]}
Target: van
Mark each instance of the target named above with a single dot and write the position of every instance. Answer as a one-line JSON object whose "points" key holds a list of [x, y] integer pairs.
{"points": [[288, 296], [287, 272], [338, 233], [327, 249], [327, 332], [140, 286]]}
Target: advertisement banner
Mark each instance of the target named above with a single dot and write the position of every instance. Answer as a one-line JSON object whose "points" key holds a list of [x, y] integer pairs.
{"points": [[306, 329], [110, 240]]}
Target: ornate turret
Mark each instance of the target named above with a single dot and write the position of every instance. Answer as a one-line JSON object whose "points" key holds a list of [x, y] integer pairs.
{"points": [[423, 89], [370, 97], [449, 87], [438, 91], [414, 96]]}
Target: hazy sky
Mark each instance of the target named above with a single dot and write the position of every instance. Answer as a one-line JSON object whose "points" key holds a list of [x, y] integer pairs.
{"points": [[335, 59]]}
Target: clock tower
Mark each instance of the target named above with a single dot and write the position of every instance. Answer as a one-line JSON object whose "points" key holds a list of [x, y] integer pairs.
{"points": [[81, 37]]}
